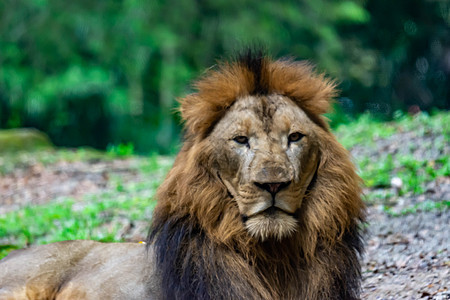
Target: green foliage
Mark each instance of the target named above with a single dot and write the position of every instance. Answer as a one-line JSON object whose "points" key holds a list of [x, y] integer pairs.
{"points": [[121, 150], [108, 72], [349, 11]]}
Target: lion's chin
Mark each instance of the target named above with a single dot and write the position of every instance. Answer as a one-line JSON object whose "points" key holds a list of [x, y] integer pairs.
{"points": [[278, 225]]}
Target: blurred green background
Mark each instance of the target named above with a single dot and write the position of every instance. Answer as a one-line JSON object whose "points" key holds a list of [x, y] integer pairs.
{"points": [[99, 73]]}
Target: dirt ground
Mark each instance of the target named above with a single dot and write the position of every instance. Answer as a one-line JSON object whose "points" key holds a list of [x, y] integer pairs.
{"points": [[407, 257]]}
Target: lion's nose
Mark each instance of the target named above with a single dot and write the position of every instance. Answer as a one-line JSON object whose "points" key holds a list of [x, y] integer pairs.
{"points": [[272, 187]]}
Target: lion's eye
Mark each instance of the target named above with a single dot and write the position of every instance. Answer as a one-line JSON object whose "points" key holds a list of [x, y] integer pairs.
{"points": [[241, 140], [295, 137]]}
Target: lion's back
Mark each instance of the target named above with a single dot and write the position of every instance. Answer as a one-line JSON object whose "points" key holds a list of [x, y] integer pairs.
{"points": [[79, 270]]}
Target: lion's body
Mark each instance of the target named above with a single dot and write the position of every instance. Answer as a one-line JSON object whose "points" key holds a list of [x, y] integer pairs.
{"points": [[79, 270], [262, 201]]}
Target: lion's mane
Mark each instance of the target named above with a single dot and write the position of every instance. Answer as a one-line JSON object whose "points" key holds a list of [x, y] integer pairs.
{"points": [[203, 250]]}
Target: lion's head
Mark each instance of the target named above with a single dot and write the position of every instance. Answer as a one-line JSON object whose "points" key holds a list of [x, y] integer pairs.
{"points": [[267, 155], [259, 183]]}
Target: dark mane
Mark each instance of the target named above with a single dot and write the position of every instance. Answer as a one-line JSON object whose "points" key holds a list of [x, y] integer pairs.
{"points": [[186, 262], [192, 266], [255, 61]]}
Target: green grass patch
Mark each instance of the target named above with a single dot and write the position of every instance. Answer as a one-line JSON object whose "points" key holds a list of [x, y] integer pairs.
{"points": [[366, 129], [420, 207], [378, 169], [22, 159], [414, 173], [363, 131], [70, 220]]}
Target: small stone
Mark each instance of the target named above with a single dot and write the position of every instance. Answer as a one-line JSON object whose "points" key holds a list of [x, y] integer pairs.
{"points": [[396, 183]]}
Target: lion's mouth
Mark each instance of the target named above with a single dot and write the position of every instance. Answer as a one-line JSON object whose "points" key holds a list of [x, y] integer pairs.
{"points": [[272, 222], [270, 212]]}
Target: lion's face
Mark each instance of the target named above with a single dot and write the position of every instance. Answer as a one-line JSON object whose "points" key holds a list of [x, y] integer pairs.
{"points": [[267, 155]]}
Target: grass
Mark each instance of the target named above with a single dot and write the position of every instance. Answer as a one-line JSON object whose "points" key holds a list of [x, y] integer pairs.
{"points": [[97, 216], [12, 160], [363, 131], [378, 167], [414, 173], [366, 129], [418, 207]]}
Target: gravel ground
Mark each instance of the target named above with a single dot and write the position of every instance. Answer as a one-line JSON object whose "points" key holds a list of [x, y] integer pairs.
{"points": [[407, 257]]}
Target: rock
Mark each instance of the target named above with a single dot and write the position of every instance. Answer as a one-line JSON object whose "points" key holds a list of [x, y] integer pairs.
{"points": [[23, 139], [396, 183]]}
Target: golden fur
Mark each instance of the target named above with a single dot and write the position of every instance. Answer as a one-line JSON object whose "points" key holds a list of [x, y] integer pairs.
{"points": [[79, 270]]}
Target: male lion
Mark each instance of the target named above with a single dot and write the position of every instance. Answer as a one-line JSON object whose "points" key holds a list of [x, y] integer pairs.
{"points": [[261, 203]]}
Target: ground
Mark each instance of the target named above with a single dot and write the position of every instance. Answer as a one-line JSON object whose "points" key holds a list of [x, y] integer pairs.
{"points": [[407, 257], [53, 195]]}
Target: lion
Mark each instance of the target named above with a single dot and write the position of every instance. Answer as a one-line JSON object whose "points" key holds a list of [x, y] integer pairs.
{"points": [[262, 202]]}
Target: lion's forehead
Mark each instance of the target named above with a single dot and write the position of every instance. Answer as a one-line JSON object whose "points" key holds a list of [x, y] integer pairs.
{"points": [[271, 114]]}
